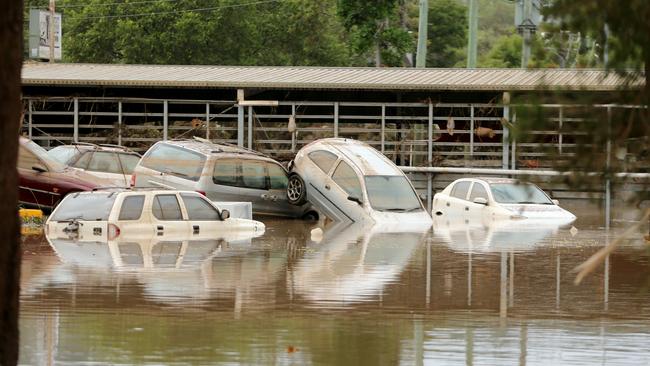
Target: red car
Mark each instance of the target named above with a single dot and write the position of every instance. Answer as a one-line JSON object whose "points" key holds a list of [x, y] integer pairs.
{"points": [[44, 181]]}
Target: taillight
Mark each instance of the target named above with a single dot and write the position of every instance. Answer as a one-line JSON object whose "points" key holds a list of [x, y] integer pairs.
{"points": [[113, 231], [202, 193], [133, 180]]}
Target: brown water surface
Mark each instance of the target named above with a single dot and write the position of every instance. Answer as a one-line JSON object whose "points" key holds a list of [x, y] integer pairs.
{"points": [[454, 295]]}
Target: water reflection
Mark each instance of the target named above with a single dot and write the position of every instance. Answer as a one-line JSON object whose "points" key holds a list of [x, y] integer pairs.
{"points": [[359, 296], [353, 263]]}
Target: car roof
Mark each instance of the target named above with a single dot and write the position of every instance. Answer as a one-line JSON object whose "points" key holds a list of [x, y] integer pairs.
{"points": [[207, 147], [120, 190], [365, 157], [494, 180], [83, 146]]}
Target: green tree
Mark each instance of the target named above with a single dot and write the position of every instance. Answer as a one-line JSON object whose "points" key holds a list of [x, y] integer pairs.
{"points": [[376, 30], [292, 32], [447, 33]]}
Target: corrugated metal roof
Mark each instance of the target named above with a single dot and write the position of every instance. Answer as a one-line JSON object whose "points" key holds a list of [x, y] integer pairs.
{"points": [[322, 77]]}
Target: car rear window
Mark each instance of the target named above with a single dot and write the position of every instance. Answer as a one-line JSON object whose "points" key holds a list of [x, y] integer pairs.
{"points": [[175, 160], [129, 161], [94, 206], [63, 154], [105, 161]]}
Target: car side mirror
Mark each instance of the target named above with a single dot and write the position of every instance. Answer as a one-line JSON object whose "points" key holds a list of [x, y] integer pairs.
{"points": [[225, 214], [480, 201], [556, 202], [355, 199], [39, 169]]}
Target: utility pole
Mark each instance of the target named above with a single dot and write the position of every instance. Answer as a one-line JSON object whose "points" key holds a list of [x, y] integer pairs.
{"points": [[421, 57], [52, 8], [526, 29], [473, 30]]}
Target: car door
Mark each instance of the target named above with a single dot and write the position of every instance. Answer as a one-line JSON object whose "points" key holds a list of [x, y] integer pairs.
{"points": [[167, 217], [278, 204], [344, 182], [131, 218], [225, 185], [477, 210], [37, 186], [254, 186], [204, 220], [457, 203]]}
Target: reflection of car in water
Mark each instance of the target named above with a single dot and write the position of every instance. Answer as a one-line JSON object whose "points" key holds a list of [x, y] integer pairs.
{"points": [[490, 234], [480, 199], [353, 263], [350, 181]]}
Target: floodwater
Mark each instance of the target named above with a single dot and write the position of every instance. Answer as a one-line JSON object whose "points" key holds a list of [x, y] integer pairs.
{"points": [[458, 295]]}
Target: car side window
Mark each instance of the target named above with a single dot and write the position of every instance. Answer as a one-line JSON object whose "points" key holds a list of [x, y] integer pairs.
{"points": [[253, 174], [175, 160], [226, 172], [131, 208], [129, 161], [199, 209], [478, 191], [166, 207], [105, 161], [347, 179], [460, 190], [84, 159], [323, 159], [277, 176]]}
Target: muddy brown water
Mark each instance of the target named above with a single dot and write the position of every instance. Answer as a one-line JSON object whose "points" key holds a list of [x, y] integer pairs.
{"points": [[466, 295]]}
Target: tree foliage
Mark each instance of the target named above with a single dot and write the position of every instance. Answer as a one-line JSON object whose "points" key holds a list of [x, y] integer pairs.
{"points": [[447, 33]]}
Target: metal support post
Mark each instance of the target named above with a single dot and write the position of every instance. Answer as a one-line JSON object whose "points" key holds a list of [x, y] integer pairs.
{"points": [[421, 55], [503, 293], [240, 126], [29, 119], [471, 131], [119, 123], [506, 137], [293, 134], [560, 119], [472, 34], [336, 119], [430, 157], [207, 121], [383, 128], [165, 119], [250, 127], [608, 193], [75, 133]]}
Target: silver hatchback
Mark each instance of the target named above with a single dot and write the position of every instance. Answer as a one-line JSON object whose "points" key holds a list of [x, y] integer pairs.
{"points": [[222, 173]]}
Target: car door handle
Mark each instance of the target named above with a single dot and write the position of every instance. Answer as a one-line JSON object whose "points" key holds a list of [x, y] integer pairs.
{"points": [[159, 230], [195, 229], [327, 186]]}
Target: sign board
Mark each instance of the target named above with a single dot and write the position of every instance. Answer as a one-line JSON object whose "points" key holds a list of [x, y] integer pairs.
{"points": [[528, 14], [39, 34]]}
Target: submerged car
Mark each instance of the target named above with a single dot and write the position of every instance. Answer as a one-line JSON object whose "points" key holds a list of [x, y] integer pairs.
{"points": [[44, 181], [498, 199], [111, 214], [221, 172], [111, 162], [348, 180]]}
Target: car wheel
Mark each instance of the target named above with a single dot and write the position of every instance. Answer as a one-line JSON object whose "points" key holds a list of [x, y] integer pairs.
{"points": [[296, 190], [310, 216]]}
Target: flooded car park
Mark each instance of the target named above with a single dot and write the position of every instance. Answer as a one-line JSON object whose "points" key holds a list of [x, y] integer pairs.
{"points": [[359, 295]]}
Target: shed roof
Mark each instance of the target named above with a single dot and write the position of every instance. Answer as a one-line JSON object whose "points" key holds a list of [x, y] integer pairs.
{"points": [[328, 78]]}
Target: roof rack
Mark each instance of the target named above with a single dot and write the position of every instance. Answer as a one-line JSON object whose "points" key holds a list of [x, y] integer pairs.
{"points": [[116, 146], [83, 143], [218, 150], [129, 188]]}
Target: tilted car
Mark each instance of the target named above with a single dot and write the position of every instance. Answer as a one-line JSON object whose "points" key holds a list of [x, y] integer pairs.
{"points": [[119, 213], [111, 162], [221, 172], [44, 181], [484, 199], [348, 180]]}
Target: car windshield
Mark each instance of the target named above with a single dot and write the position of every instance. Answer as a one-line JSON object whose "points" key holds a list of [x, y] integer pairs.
{"points": [[391, 193], [41, 153], [86, 207], [63, 154], [520, 193]]}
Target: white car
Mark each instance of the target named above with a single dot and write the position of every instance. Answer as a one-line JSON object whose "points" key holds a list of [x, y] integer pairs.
{"points": [[113, 163], [485, 199], [348, 180], [136, 214]]}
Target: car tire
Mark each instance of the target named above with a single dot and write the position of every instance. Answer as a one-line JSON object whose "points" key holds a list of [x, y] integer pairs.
{"points": [[296, 192], [310, 216]]}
